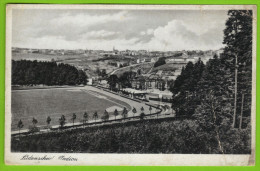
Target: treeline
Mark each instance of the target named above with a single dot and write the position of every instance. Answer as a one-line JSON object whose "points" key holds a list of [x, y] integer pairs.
{"points": [[25, 72], [219, 92], [154, 136]]}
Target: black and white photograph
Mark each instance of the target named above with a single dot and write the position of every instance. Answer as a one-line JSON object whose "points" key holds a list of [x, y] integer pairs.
{"points": [[130, 85]]}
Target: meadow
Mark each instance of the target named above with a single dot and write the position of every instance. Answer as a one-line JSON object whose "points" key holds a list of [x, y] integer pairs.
{"points": [[41, 103]]}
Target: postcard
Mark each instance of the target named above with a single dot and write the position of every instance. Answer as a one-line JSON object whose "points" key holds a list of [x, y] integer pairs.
{"points": [[130, 85]]}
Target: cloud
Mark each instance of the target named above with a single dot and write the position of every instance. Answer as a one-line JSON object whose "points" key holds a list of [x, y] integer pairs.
{"points": [[86, 20], [132, 29], [70, 25], [100, 34], [147, 32], [178, 35]]}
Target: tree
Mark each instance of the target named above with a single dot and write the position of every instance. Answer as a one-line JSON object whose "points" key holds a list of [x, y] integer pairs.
{"points": [[105, 116], [74, 116], [124, 113], [34, 121], [113, 81], [134, 111], [103, 72], [20, 126], [161, 61], [48, 121], [115, 113], [142, 115], [85, 118], [125, 79], [95, 115], [238, 50], [62, 121], [185, 87], [142, 109], [212, 115]]}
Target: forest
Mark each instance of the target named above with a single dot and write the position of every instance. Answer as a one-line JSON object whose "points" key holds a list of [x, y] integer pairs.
{"points": [[30, 73], [220, 90]]}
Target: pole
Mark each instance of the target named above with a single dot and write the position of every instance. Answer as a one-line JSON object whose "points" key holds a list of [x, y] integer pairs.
{"points": [[235, 100], [241, 116]]}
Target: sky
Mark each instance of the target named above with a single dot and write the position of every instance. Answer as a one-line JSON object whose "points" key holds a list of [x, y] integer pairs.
{"points": [[99, 29]]}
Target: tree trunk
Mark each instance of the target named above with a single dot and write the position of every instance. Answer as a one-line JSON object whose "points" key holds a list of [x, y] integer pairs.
{"points": [[235, 99], [241, 116]]}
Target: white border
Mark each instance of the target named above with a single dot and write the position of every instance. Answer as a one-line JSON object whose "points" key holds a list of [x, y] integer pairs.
{"points": [[126, 159]]}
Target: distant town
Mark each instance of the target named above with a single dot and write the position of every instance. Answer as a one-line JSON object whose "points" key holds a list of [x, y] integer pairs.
{"points": [[156, 70]]}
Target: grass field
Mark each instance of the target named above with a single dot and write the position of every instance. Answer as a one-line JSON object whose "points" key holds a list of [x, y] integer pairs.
{"points": [[42, 103]]}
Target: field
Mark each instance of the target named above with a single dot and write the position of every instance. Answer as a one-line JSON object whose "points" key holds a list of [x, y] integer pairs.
{"points": [[41, 103]]}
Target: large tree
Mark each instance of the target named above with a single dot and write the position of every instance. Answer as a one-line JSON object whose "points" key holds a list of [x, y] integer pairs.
{"points": [[113, 81], [238, 57]]}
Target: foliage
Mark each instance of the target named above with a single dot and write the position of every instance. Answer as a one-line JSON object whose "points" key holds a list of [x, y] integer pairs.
{"points": [[142, 115], [198, 80], [20, 124], [112, 81], [95, 115], [85, 117], [126, 78], [124, 113], [134, 110], [161, 61], [34, 121], [115, 113], [150, 109], [48, 121], [105, 117], [26, 72], [142, 109], [238, 40], [154, 136], [62, 121]]}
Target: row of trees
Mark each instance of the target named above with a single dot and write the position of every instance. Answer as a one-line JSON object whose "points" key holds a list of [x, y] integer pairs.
{"points": [[25, 72], [105, 117], [221, 89]]}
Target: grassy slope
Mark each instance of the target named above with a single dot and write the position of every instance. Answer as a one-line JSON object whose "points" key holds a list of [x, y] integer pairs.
{"points": [[154, 136]]}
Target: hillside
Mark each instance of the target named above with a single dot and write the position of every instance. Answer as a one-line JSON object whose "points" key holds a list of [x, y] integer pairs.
{"points": [[147, 136], [166, 67]]}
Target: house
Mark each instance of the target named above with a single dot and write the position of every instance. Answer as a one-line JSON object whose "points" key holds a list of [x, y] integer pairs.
{"points": [[90, 81]]}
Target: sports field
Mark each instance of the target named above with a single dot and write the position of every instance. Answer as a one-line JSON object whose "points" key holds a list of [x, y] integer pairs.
{"points": [[41, 103]]}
